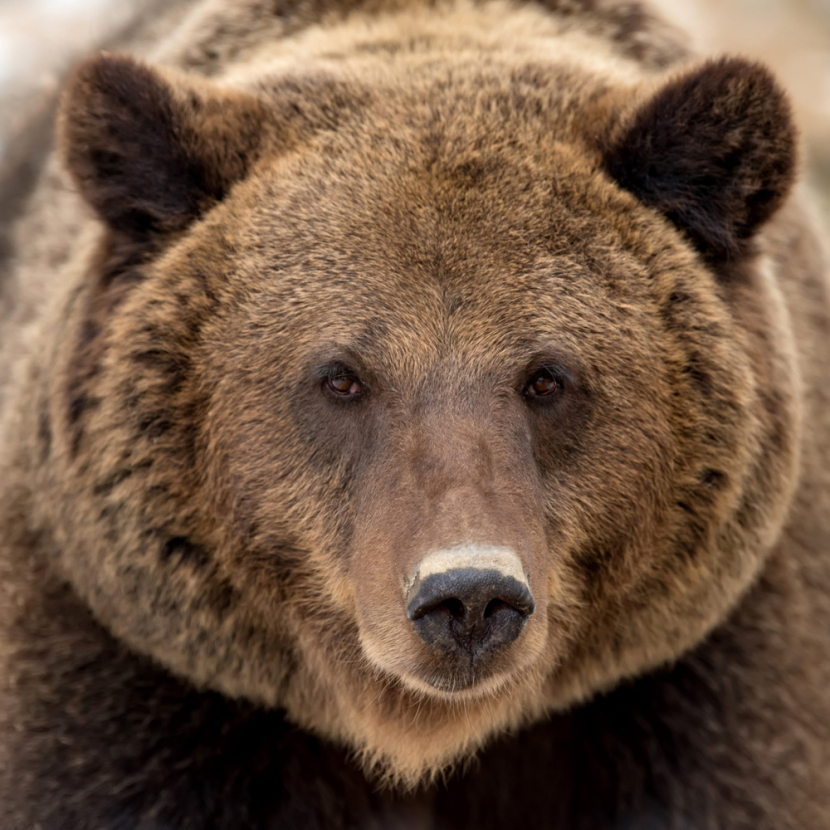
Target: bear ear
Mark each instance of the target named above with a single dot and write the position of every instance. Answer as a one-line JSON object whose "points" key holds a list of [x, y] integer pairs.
{"points": [[152, 151], [715, 151]]}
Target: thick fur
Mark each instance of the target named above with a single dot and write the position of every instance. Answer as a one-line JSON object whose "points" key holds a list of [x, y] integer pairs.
{"points": [[203, 551]]}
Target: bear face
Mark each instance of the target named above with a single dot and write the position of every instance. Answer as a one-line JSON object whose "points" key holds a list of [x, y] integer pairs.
{"points": [[386, 402]]}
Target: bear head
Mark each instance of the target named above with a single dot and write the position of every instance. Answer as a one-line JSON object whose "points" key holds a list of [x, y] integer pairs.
{"points": [[422, 402]]}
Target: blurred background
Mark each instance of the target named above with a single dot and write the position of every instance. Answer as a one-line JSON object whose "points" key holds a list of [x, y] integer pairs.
{"points": [[39, 38]]}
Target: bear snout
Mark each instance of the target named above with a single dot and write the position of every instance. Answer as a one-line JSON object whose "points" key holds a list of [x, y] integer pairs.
{"points": [[466, 604]]}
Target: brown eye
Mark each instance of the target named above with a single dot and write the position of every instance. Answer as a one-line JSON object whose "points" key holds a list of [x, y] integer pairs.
{"points": [[344, 386], [542, 384]]}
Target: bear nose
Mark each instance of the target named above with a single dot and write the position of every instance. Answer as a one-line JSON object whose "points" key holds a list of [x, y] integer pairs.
{"points": [[469, 610]]}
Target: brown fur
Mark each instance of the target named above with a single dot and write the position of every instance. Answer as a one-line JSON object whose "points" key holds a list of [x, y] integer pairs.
{"points": [[441, 201]]}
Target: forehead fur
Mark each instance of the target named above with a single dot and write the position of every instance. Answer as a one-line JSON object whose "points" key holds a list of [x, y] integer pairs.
{"points": [[438, 210]]}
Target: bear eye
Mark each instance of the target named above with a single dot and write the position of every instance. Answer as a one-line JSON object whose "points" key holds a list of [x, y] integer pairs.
{"points": [[344, 385], [542, 384]]}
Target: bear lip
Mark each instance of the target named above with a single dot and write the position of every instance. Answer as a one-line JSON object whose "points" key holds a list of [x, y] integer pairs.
{"points": [[470, 686]]}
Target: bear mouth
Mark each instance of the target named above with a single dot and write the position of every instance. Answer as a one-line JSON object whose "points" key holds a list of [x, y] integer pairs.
{"points": [[458, 685], [441, 677]]}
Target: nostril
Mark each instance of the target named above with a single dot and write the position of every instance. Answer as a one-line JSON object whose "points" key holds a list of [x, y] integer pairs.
{"points": [[496, 605], [455, 607], [451, 607]]}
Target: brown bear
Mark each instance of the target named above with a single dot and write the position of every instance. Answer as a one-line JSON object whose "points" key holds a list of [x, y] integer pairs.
{"points": [[414, 414]]}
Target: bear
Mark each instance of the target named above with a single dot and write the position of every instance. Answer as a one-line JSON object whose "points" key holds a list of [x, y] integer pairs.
{"points": [[414, 415]]}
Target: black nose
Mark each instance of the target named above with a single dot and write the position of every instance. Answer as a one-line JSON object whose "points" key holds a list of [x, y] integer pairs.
{"points": [[470, 611]]}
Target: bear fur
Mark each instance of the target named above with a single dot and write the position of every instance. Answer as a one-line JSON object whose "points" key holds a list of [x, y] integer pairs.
{"points": [[281, 315]]}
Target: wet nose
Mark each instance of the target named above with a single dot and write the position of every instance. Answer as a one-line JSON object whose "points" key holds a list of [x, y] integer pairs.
{"points": [[474, 609]]}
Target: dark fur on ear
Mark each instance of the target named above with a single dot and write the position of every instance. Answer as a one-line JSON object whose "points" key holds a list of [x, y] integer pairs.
{"points": [[715, 151], [150, 150]]}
